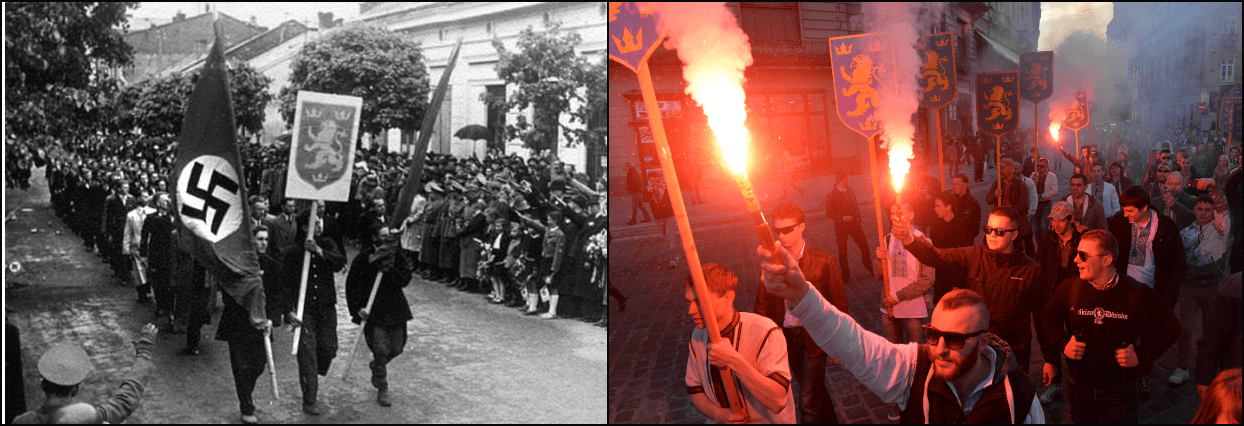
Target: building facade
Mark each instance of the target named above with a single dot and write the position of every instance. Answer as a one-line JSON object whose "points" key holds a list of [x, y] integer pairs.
{"points": [[181, 42], [790, 84], [1182, 55], [438, 25]]}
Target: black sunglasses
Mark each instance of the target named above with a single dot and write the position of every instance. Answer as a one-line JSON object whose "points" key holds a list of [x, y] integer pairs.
{"points": [[1084, 256], [1166, 157], [953, 340], [786, 230], [998, 231]]}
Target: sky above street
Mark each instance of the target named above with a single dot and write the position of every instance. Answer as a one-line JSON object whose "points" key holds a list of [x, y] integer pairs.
{"points": [[1058, 20], [267, 14]]}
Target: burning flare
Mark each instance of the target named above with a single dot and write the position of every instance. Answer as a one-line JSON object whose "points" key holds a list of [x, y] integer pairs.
{"points": [[1054, 130], [715, 52], [900, 152], [723, 103]]}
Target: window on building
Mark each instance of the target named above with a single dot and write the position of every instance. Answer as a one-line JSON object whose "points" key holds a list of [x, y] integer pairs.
{"points": [[1228, 70], [796, 121], [489, 27], [440, 35], [546, 17], [771, 23]]}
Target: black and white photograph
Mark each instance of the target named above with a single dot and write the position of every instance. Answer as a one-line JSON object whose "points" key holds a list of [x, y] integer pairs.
{"points": [[306, 212]]}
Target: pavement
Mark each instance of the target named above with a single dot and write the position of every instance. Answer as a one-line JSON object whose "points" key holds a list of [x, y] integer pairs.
{"points": [[648, 342], [466, 361]]}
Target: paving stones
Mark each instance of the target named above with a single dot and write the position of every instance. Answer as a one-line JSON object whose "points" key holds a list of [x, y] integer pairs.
{"points": [[648, 342]]}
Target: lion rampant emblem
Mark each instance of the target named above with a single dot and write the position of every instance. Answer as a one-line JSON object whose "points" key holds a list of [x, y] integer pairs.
{"points": [[996, 102], [326, 146], [935, 71], [862, 75], [1078, 116], [1035, 78]]}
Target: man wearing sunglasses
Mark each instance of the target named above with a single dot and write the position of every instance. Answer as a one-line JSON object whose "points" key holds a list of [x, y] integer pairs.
{"points": [[1156, 186], [1011, 193], [964, 374], [998, 271], [1110, 327], [807, 360]]}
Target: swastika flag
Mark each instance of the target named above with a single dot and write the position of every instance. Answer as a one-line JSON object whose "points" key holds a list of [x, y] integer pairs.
{"points": [[213, 223]]}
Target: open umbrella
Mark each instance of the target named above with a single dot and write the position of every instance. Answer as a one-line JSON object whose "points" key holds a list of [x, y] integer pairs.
{"points": [[473, 132]]}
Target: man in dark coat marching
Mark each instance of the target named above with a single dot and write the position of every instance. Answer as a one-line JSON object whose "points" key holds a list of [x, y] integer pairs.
{"points": [[385, 330]]}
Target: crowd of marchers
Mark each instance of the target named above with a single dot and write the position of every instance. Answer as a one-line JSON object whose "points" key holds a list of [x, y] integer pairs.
{"points": [[529, 233], [1112, 262]]}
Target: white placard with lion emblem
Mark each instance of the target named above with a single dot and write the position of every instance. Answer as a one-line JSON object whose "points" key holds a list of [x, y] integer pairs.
{"points": [[321, 152]]}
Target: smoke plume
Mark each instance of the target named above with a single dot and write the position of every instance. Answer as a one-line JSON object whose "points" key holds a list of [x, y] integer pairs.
{"points": [[715, 52]]}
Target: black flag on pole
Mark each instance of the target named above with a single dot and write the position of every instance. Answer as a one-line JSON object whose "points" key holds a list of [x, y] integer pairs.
{"points": [[211, 207]]}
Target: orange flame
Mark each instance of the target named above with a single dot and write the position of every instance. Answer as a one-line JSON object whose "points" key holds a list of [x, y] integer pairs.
{"points": [[1054, 129], [900, 152]]}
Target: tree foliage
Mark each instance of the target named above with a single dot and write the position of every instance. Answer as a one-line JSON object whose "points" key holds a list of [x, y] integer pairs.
{"points": [[371, 63], [548, 75], [157, 106], [54, 53]]}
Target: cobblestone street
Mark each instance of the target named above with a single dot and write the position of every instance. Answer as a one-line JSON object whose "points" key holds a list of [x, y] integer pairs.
{"points": [[648, 342], [465, 361]]}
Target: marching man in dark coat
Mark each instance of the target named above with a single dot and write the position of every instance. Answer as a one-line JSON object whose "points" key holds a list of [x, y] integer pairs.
{"points": [[318, 344], [385, 330]]}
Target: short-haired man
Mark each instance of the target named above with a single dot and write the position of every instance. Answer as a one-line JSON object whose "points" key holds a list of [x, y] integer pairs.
{"points": [[1175, 203], [841, 206], [1011, 193], [1205, 245], [1085, 210], [807, 360], [909, 279], [967, 207], [752, 347], [1056, 254], [1146, 233], [1111, 329], [998, 271], [1101, 190], [964, 374], [1047, 189], [948, 231]]}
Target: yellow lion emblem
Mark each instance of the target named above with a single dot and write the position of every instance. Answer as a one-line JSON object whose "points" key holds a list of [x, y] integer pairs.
{"points": [[861, 78], [996, 102], [1035, 78], [934, 72]]}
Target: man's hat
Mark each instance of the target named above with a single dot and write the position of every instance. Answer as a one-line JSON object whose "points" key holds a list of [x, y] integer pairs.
{"points": [[65, 364], [1167, 165], [1060, 210], [557, 185]]}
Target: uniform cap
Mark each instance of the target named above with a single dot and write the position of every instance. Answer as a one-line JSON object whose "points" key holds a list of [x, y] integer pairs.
{"points": [[65, 364]]}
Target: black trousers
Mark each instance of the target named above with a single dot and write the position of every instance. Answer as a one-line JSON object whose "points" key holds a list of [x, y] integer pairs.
{"points": [[815, 404], [386, 342], [854, 231], [247, 359], [316, 349]]}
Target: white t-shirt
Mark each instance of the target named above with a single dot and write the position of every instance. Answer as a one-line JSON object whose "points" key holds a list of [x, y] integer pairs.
{"points": [[758, 340], [1138, 270]]}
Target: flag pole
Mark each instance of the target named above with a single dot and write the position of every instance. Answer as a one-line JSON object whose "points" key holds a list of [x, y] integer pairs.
{"points": [[998, 140], [362, 326], [306, 268], [684, 228], [885, 263], [267, 347], [941, 158]]}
